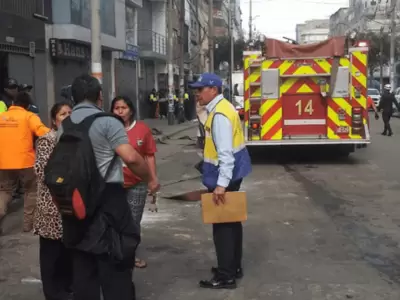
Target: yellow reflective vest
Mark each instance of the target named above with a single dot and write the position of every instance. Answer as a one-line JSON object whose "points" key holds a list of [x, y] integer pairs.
{"points": [[242, 158], [3, 107]]}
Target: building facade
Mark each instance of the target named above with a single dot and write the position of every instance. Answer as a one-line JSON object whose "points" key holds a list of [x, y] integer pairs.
{"points": [[338, 22], [237, 20], [204, 36], [312, 31], [366, 15], [221, 15], [70, 38], [125, 64], [22, 46]]}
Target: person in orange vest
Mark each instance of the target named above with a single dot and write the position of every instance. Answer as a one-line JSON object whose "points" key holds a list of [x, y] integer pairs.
{"points": [[371, 104], [18, 127]]}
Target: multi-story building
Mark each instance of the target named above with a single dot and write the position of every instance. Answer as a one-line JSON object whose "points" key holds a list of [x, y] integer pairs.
{"points": [[23, 45], [125, 64], [237, 20], [70, 39], [221, 15], [338, 22], [193, 49], [204, 35], [312, 31], [153, 45], [367, 15]]}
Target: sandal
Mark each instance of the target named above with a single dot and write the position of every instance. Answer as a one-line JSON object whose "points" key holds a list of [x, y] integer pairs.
{"points": [[139, 263]]}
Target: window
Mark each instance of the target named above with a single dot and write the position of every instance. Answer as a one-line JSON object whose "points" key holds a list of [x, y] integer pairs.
{"points": [[130, 25], [23, 8], [81, 15]]}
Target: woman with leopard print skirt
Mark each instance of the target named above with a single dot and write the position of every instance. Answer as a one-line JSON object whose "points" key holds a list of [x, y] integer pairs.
{"points": [[55, 259]]}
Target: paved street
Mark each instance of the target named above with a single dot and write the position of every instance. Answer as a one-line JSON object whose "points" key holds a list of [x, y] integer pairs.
{"points": [[318, 229]]}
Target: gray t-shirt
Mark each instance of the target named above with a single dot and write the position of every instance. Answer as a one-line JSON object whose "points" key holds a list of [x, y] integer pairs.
{"points": [[106, 134]]}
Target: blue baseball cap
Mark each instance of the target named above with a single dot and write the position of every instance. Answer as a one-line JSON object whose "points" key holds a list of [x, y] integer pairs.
{"points": [[207, 80]]}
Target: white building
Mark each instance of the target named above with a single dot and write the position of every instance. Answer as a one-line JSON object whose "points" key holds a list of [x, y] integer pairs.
{"points": [[312, 31]]}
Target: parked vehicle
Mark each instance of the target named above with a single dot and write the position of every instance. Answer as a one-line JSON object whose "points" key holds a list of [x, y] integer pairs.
{"points": [[375, 95], [290, 97]]}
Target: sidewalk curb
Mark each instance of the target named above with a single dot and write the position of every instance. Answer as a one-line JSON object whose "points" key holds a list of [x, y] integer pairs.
{"points": [[165, 137]]}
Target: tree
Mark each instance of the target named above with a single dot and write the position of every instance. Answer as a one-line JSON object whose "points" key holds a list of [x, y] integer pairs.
{"points": [[374, 54], [223, 49]]}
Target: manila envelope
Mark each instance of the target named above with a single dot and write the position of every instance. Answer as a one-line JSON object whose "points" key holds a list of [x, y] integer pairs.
{"points": [[234, 209]]}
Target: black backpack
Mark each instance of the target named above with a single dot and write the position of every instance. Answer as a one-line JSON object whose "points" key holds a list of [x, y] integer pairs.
{"points": [[71, 173]]}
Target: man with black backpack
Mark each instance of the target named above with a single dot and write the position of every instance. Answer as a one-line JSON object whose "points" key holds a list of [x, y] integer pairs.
{"points": [[84, 176]]}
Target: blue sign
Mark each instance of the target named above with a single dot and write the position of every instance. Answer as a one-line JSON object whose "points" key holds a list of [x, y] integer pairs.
{"points": [[131, 53]]}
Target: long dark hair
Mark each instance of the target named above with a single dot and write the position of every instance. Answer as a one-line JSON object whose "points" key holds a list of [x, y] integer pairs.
{"points": [[55, 110], [129, 103]]}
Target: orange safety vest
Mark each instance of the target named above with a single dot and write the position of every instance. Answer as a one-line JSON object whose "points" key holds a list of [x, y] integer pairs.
{"points": [[17, 129]]}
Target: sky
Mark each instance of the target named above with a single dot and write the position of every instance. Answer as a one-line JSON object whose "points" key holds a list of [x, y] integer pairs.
{"points": [[277, 18]]}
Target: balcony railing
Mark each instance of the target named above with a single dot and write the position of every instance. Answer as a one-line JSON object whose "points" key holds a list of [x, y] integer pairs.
{"points": [[152, 41]]}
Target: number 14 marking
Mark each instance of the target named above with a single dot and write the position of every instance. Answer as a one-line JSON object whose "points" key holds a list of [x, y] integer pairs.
{"points": [[308, 108]]}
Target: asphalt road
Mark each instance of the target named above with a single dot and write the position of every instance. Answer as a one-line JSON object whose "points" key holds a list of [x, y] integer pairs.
{"points": [[318, 228]]}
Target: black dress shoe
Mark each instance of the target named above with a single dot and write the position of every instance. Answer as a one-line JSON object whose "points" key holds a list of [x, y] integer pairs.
{"points": [[218, 283], [239, 272]]}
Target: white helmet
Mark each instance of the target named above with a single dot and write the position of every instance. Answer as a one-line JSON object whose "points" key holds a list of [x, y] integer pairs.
{"points": [[387, 87]]}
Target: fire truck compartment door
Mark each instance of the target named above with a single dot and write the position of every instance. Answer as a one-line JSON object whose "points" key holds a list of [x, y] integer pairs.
{"points": [[270, 84], [341, 89], [304, 115]]}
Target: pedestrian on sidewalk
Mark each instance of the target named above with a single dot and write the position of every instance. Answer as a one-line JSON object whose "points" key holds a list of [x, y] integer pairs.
{"points": [[18, 127], [54, 258], [386, 105], [226, 163], [142, 140], [104, 242], [153, 102]]}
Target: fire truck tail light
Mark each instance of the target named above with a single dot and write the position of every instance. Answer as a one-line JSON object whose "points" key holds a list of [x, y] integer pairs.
{"points": [[362, 44], [255, 126], [357, 120]]}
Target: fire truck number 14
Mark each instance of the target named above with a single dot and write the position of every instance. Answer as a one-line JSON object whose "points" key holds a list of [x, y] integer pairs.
{"points": [[308, 108]]}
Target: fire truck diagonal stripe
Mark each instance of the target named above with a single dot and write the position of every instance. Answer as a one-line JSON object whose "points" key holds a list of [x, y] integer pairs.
{"points": [[277, 135], [331, 130], [360, 79], [341, 103], [324, 64], [268, 108], [286, 64], [359, 60], [305, 70], [287, 84], [246, 91], [271, 122], [334, 123], [273, 131], [255, 75], [317, 68], [276, 64], [289, 71], [267, 64], [332, 114]]}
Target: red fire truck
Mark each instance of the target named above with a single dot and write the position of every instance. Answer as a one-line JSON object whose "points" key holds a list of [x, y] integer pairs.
{"points": [[307, 94]]}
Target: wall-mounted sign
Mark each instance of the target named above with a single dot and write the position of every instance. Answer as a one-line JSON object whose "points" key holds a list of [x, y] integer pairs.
{"points": [[65, 49], [131, 53]]}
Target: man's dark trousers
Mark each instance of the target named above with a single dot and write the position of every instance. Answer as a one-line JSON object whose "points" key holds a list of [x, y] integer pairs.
{"points": [[228, 241], [93, 273], [386, 121]]}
